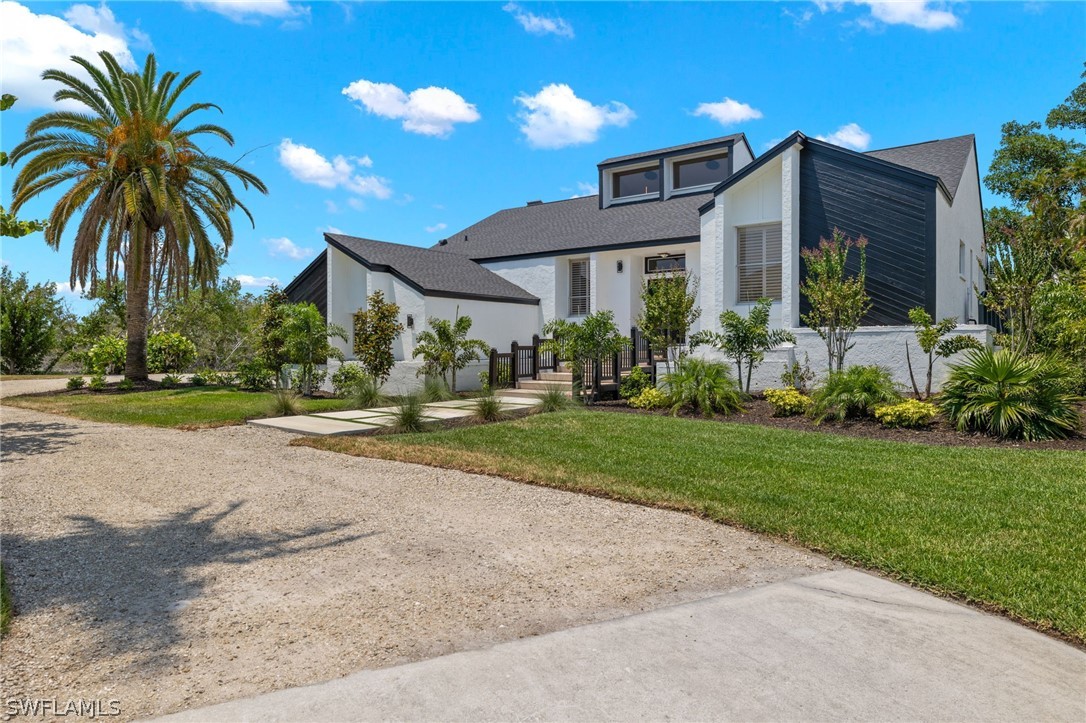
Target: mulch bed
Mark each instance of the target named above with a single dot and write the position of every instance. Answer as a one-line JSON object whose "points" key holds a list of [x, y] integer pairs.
{"points": [[759, 411]]}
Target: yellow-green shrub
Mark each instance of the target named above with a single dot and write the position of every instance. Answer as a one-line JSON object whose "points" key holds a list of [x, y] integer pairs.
{"points": [[650, 398], [787, 402], [911, 414]]}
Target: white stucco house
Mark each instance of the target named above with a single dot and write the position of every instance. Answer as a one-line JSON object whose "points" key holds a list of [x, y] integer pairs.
{"points": [[710, 208]]}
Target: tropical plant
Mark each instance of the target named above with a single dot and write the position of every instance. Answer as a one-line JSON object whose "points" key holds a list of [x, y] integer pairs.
{"points": [[76, 382], [198, 379], [487, 408], [271, 343], [553, 399], [799, 376], [97, 383], [669, 308], [931, 338], [704, 386], [11, 226], [307, 343], [745, 340], [366, 393], [143, 188], [838, 300], [650, 398], [635, 382], [376, 327], [787, 402], [169, 352], [1011, 395], [560, 333], [285, 403], [126, 385], [254, 376], [408, 415], [32, 321], [853, 393], [446, 349], [434, 390], [106, 355], [346, 377], [170, 381], [595, 337], [908, 414]]}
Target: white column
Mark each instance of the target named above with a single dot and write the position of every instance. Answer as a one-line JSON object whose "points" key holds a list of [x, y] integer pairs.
{"points": [[790, 263]]}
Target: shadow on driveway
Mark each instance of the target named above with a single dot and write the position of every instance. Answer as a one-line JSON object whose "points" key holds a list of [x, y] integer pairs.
{"points": [[25, 439], [129, 585]]}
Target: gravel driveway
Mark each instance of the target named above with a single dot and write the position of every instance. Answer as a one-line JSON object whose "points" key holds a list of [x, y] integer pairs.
{"points": [[170, 569]]}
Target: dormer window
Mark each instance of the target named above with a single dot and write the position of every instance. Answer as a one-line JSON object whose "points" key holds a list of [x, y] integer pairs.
{"points": [[635, 183], [704, 171]]}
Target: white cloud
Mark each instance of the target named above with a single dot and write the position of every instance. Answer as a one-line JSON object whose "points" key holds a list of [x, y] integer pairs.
{"points": [[728, 112], [35, 43], [555, 117], [539, 24], [850, 135], [429, 111], [436, 227], [65, 288], [330, 229], [283, 246], [252, 11], [331, 207], [357, 204], [256, 281], [308, 166], [922, 14], [586, 189]]}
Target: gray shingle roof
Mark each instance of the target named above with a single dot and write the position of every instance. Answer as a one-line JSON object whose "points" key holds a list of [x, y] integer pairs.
{"points": [[660, 151], [944, 158], [433, 272], [579, 223]]}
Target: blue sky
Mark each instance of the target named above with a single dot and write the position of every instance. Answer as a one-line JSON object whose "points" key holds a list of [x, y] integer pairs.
{"points": [[406, 122]]}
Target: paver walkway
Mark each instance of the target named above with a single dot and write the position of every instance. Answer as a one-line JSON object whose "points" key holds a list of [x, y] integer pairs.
{"points": [[362, 421]]}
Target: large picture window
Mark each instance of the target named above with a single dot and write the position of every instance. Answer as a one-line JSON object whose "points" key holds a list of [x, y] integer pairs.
{"points": [[635, 183], [580, 287], [759, 263], [701, 171]]}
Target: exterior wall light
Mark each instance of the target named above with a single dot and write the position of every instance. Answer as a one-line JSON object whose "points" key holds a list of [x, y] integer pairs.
{"points": [[410, 321], [619, 266]]}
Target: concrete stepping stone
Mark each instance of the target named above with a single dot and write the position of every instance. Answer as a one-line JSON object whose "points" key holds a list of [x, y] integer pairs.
{"points": [[306, 424]]}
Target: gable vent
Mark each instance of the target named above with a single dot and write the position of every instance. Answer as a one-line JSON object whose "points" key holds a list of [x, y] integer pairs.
{"points": [[534, 203]]}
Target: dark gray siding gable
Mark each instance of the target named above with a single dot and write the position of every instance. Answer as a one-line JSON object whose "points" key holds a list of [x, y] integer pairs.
{"points": [[311, 285], [894, 211]]}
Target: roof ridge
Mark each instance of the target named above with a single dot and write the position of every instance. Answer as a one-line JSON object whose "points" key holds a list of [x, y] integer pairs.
{"points": [[922, 143]]}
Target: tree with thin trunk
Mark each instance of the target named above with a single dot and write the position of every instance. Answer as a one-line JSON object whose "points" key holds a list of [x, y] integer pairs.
{"points": [[150, 197], [838, 299], [745, 340], [445, 348]]}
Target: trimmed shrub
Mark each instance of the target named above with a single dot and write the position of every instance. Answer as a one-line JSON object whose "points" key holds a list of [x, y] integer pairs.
{"points": [[170, 382], [126, 385], [76, 382], [787, 402], [97, 383], [169, 352], [1011, 396], [703, 386], [254, 376], [106, 355], [346, 377], [651, 398], [909, 414], [636, 382], [853, 393], [198, 379]]}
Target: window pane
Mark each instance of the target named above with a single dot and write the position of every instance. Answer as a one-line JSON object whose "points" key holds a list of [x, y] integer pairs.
{"points": [[579, 287], [660, 264], [701, 171], [760, 250], [634, 183]]}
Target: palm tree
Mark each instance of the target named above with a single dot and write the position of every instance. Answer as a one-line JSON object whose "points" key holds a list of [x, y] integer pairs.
{"points": [[447, 349], [145, 189]]}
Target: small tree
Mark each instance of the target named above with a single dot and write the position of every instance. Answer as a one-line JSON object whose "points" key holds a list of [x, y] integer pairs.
{"points": [[561, 338], [838, 300], [446, 349], [375, 328], [32, 320], [306, 338], [272, 343], [669, 309], [929, 336], [746, 340], [596, 337]]}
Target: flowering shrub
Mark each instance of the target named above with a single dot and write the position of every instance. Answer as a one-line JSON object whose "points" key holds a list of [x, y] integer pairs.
{"points": [[650, 398], [911, 414], [787, 402]]}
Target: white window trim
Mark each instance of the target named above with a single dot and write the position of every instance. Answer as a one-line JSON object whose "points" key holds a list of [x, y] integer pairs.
{"points": [[669, 173], [738, 274]]}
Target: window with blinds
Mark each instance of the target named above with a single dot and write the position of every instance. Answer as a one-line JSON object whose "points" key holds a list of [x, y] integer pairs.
{"points": [[580, 287], [759, 263]]}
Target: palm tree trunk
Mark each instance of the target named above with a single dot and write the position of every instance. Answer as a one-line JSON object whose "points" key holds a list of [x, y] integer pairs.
{"points": [[137, 291]]}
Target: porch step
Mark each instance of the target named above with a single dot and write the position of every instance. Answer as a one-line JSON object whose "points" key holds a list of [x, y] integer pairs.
{"points": [[543, 385], [530, 392], [556, 376]]}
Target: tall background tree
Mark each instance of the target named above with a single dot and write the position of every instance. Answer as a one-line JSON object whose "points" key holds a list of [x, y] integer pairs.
{"points": [[146, 192], [36, 327]]}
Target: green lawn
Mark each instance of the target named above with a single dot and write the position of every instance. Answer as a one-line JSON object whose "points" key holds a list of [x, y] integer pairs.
{"points": [[1002, 527], [187, 407], [26, 377], [6, 609]]}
